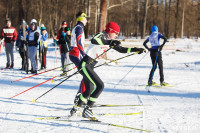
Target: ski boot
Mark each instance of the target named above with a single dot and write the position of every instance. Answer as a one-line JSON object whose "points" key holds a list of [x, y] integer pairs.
{"points": [[164, 84], [87, 113], [7, 66], [75, 111], [12, 65], [152, 84], [77, 97]]}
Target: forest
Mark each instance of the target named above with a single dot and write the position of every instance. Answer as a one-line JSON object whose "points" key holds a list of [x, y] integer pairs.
{"points": [[175, 18]]}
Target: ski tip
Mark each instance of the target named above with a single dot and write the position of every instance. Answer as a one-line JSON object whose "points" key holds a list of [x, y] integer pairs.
{"points": [[33, 101], [52, 81]]}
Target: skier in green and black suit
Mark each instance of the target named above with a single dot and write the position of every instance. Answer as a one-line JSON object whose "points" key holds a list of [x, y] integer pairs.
{"points": [[92, 85]]}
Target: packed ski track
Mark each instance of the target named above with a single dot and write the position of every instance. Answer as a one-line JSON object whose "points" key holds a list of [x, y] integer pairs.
{"points": [[164, 109]]}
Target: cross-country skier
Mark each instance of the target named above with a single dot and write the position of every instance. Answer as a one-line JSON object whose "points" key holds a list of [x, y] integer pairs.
{"points": [[44, 37], [20, 43], [9, 34], [91, 82], [33, 36], [155, 48], [63, 38]]}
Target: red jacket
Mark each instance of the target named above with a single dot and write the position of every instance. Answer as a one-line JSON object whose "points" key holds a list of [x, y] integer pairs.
{"points": [[9, 34]]}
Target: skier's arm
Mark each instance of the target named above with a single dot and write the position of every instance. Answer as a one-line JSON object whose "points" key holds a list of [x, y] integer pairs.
{"points": [[128, 50], [2, 34], [79, 33], [165, 40], [68, 38], [145, 44], [45, 36], [15, 35], [99, 39]]}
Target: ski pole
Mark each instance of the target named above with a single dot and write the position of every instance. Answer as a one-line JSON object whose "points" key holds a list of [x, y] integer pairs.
{"points": [[108, 62], [63, 75], [69, 76], [118, 59], [44, 60], [148, 87], [55, 49], [32, 87], [39, 73], [54, 87], [131, 70]]}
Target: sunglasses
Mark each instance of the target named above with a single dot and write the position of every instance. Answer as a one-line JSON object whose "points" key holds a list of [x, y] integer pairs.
{"points": [[117, 33]]}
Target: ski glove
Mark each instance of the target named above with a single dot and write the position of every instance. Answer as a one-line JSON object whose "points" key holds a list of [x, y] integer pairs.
{"points": [[114, 43], [140, 50], [160, 47]]}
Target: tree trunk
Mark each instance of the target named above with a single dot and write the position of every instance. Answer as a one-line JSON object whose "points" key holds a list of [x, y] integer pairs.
{"points": [[88, 13], [169, 10], [176, 22], [183, 16], [138, 20], [165, 19], [103, 12], [144, 19]]}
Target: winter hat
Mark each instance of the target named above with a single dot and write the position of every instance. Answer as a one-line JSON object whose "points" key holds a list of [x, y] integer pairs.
{"points": [[23, 22], [33, 21], [43, 27], [154, 28], [8, 19], [80, 16], [64, 23], [112, 27]]}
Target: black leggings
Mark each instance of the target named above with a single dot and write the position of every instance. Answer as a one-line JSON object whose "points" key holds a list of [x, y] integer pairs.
{"points": [[92, 83], [159, 61]]}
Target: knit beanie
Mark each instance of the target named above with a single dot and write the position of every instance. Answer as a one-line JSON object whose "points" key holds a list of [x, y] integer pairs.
{"points": [[64, 23], [112, 27], [80, 16], [154, 28]]}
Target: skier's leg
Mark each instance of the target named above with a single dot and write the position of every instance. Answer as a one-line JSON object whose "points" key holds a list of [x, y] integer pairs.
{"points": [[62, 60], [7, 54], [153, 58], [160, 65], [92, 81], [11, 54]]}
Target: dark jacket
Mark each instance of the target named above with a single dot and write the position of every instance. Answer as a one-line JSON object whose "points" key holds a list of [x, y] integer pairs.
{"points": [[64, 40]]}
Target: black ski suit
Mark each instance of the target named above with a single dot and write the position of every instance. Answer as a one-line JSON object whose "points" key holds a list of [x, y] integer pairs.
{"points": [[91, 83]]}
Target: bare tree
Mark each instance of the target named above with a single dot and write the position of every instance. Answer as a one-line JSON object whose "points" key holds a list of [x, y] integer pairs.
{"points": [[103, 12], [183, 16], [177, 16], [144, 18]]}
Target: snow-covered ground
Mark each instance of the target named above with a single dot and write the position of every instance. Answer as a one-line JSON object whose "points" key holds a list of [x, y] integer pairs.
{"points": [[167, 109]]}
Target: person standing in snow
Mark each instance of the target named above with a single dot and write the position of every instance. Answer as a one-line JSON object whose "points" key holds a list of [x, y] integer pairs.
{"points": [[64, 38], [43, 46], [20, 43], [33, 36], [91, 85], [9, 34], [155, 49]]}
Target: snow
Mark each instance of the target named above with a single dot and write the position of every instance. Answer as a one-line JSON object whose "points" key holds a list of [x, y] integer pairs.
{"points": [[166, 109]]}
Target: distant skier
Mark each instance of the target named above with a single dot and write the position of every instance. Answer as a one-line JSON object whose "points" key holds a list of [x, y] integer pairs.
{"points": [[33, 36], [20, 43], [155, 48], [91, 85], [64, 38], [9, 34], [44, 36]]}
